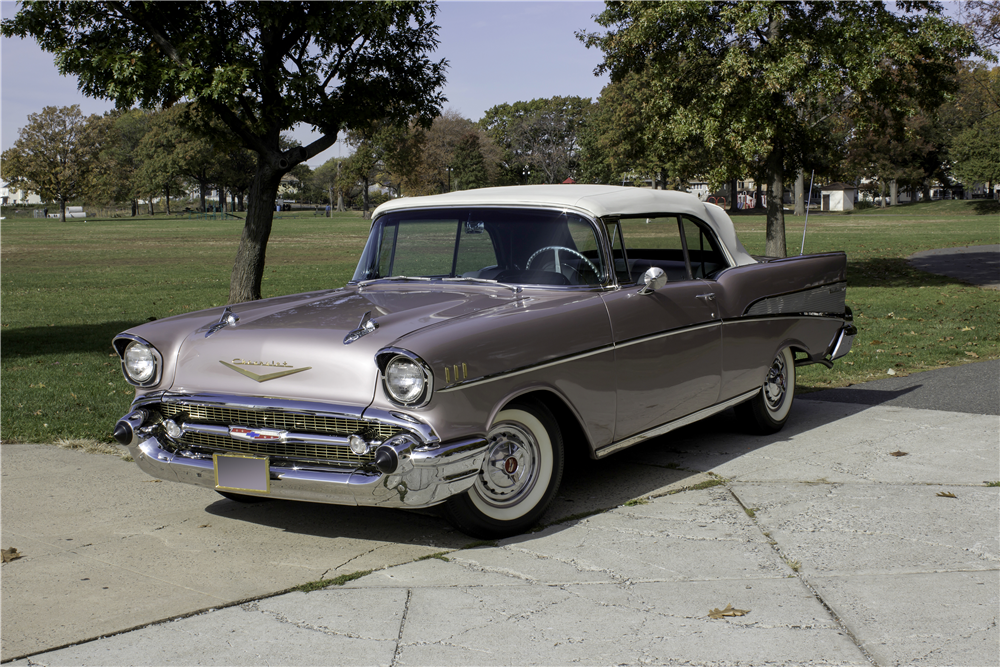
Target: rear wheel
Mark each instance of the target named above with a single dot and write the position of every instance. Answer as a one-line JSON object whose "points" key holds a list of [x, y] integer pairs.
{"points": [[768, 411], [519, 477]]}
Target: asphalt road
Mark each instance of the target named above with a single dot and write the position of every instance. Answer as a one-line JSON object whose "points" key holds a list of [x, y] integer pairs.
{"points": [[979, 265], [973, 388]]}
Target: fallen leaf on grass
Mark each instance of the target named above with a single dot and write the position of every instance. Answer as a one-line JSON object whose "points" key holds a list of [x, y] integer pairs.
{"points": [[946, 494], [898, 453], [10, 554], [972, 354], [728, 611]]}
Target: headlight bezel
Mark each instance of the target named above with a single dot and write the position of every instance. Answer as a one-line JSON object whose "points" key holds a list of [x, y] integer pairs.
{"points": [[386, 358], [123, 344]]}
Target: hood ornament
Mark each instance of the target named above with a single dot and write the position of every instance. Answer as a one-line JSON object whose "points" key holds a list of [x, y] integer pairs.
{"points": [[365, 327], [229, 318], [263, 377]]}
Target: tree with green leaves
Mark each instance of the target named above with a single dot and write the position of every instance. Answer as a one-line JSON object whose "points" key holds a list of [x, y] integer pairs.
{"points": [[542, 134], [54, 154], [258, 67], [754, 81], [173, 148], [468, 164]]}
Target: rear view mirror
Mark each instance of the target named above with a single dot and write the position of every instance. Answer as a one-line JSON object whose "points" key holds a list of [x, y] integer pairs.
{"points": [[652, 280]]}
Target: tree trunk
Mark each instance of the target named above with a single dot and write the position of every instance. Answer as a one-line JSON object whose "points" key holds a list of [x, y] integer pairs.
{"points": [[927, 190], [732, 194], [365, 212], [775, 210], [135, 207], [800, 189], [340, 201], [150, 202], [201, 192], [62, 209], [166, 193], [248, 270], [893, 193]]}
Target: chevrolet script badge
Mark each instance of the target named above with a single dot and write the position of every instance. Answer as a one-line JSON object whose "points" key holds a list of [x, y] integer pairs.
{"points": [[263, 377]]}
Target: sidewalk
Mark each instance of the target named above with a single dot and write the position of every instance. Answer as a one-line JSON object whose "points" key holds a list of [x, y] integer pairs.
{"points": [[840, 553]]}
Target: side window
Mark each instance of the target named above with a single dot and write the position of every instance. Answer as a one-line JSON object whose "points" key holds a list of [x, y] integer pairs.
{"points": [[618, 257], [654, 241], [657, 241], [703, 249]]}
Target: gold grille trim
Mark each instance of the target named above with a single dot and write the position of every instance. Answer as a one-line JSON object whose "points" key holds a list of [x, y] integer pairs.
{"points": [[296, 422]]}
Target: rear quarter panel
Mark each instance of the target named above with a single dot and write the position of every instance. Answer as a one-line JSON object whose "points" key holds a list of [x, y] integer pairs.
{"points": [[750, 342]]}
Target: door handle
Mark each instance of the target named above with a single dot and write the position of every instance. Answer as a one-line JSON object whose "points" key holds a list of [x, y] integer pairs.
{"points": [[707, 297]]}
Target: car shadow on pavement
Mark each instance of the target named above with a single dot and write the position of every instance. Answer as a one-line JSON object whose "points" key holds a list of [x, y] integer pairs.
{"points": [[671, 463]]}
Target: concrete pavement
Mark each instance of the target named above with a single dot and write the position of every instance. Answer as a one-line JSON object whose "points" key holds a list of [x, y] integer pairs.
{"points": [[840, 552]]}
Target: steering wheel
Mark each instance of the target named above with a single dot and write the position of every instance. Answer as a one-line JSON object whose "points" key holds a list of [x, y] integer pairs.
{"points": [[555, 251]]}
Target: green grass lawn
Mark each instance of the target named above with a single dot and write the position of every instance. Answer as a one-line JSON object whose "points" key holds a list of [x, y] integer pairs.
{"points": [[68, 288]]}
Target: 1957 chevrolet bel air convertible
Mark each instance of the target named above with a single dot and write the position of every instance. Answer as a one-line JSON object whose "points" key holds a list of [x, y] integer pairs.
{"points": [[485, 336]]}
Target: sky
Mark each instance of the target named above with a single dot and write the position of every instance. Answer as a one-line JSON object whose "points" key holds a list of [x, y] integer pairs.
{"points": [[499, 52]]}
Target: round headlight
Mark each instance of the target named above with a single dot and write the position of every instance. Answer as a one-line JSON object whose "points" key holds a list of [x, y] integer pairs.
{"points": [[140, 365], [404, 380]]}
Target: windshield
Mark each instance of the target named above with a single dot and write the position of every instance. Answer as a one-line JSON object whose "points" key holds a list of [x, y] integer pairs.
{"points": [[508, 245]]}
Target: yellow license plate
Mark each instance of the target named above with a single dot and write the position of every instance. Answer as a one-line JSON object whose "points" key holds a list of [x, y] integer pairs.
{"points": [[234, 472]]}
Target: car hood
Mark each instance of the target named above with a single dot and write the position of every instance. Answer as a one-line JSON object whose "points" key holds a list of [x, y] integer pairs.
{"points": [[294, 348]]}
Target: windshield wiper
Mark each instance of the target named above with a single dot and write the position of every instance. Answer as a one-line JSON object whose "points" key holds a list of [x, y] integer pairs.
{"points": [[375, 280], [516, 289]]}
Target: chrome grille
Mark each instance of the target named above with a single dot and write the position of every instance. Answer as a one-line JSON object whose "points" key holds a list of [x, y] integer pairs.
{"points": [[291, 450], [296, 422]]}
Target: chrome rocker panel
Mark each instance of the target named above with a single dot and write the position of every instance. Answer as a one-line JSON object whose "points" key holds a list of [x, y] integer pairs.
{"points": [[424, 477]]}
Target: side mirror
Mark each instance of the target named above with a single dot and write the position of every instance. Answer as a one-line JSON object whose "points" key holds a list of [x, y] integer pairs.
{"points": [[653, 279]]}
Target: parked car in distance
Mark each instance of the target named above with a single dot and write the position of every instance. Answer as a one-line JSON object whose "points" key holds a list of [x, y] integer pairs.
{"points": [[486, 335]]}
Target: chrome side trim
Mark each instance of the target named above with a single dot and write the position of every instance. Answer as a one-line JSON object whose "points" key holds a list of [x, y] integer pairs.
{"points": [[825, 299], [784, 316], [575, 357], [668, 334], [677, 423], [528, 369]]}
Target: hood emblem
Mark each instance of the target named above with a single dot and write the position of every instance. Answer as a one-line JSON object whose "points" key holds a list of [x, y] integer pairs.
{"points": [[256, 434], [228, 319], [263, 377], [365, 327]]}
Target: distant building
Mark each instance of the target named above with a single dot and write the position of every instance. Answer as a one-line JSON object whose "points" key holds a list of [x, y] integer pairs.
{"points": [[10, 197], [838, 197]]}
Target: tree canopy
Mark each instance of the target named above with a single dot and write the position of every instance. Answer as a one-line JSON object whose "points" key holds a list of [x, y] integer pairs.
{"points": [[54, 154], [755, 81], [258, 67]]}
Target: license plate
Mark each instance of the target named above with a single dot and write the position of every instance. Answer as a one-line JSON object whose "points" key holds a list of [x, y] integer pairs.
{"points": [[242, 473]]}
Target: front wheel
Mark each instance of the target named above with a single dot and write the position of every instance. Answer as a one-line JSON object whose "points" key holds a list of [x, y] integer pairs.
{"points": [[768, 411], [519, 477]]}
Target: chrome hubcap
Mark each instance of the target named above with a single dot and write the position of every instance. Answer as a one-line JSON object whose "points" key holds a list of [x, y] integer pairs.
{"points": [[776, 383], [511, 465]]}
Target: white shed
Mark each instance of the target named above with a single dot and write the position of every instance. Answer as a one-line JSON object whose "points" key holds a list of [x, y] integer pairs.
{"points": [[838, 197]]}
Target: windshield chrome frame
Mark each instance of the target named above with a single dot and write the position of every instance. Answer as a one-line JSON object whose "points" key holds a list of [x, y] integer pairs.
{"points": [[609, 282]]}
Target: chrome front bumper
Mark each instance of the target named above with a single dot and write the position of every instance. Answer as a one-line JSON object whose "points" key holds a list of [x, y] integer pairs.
{"points": [[423, 477]]}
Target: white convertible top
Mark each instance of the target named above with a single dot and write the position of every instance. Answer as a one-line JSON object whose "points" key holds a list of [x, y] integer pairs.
{"points": [[598, 201]]}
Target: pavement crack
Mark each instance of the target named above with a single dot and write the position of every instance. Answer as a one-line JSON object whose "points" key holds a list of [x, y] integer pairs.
{"points": [[253, 607], [797, 572], [402, 626]]}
